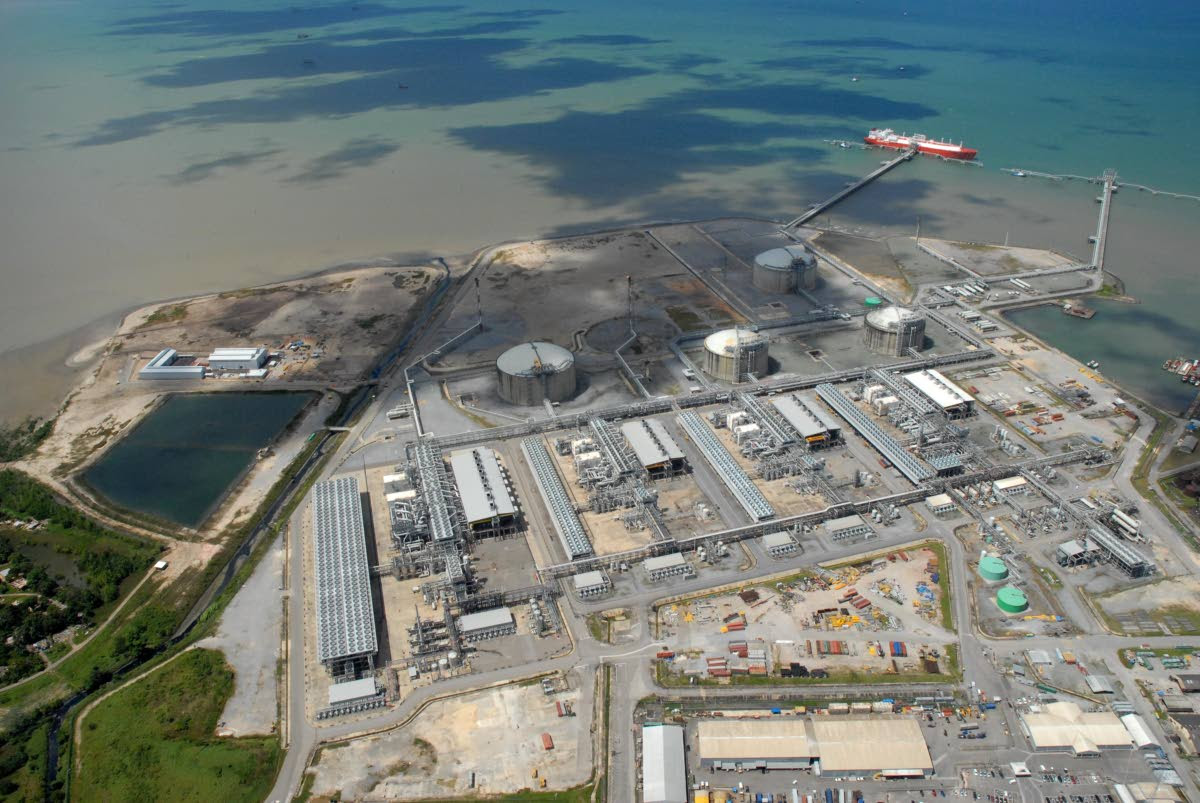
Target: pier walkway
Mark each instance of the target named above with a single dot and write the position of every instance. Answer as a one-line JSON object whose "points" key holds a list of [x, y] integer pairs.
{"points": [[1110, 182], [848, 191]]}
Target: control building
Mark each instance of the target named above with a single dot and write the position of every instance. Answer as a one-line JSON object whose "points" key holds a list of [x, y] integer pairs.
{"points": [[894, 330], [532, 373], [669, 565], [782, 270], [732, 355]]}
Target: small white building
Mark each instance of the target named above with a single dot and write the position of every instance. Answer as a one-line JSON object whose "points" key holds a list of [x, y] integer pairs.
{"points": [[1010, 486], [486, 624], [847, 527], [778, 544], [665, 566], [591, 584], [942, 503], [163, 366]]}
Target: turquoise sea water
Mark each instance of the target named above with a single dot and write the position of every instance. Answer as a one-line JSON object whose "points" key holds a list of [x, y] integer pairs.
{"points": [[159, 149], [180, 460]]}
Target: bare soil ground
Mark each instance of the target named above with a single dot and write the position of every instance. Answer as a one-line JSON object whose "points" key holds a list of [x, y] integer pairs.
{"points": [[993, 260], [495, 734]]}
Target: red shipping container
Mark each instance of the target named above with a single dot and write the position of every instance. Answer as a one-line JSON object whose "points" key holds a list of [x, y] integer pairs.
{"points": [[558, 705], [547, 742], [665, 654]]}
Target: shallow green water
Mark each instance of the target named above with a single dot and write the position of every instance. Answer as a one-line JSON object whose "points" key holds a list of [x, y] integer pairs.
{"points": [[178, 463]]}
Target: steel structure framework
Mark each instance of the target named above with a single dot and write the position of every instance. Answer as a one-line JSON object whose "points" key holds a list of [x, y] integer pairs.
{"points": [[768, 419], [566, 523], [345, 612], [615, 449], [905, 391], [916, 471], [739, 484], [435, 486]]}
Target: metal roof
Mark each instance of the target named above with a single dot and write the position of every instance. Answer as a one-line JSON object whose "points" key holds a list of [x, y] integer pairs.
{"points": [[664, 779], [940, 390], [651, 442], [668, 561], [844, 523], [1009, 483], [534, 359], [805, 416], [352, 690], [485, 620], [781, 538], [939, 500], [585, 580], [1100, 684], [745, 491], [892, 317], [238, 353], [871, 744], [1065, 725], [734, 739], [480, 482], [345, 613]]}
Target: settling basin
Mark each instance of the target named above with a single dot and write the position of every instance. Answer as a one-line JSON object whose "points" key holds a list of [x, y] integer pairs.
{"points": [[181, 460]]}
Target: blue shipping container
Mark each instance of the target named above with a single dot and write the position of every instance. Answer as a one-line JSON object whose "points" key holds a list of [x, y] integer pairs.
{"points": [[989, 706], [776, 710]]}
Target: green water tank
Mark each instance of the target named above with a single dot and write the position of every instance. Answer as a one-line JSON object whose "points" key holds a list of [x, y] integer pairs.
{"points": [[873, 301], [1012, 600], [992, 569]]}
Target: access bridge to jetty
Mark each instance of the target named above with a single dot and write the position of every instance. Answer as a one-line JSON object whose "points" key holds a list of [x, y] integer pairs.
{"points": [[850, 190]]}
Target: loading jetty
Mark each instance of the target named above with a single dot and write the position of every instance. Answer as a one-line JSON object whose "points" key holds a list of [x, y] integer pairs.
{"points": [[846, 192]]}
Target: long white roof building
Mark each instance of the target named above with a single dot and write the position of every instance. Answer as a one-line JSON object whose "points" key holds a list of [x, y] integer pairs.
{"points": [[939, 390], [481, 486], [664, 779]]}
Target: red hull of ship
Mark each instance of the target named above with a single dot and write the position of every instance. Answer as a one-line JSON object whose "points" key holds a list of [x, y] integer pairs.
{"points": [[925, 147]]}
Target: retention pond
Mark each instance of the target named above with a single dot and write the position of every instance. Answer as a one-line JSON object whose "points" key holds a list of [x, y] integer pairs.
{"points": [[182, 459]]}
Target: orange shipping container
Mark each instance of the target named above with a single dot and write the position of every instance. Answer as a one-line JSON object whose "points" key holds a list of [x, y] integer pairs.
{"points": [[547, 742]]}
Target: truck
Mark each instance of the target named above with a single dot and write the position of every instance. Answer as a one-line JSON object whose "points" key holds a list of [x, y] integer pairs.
{"points": [[828, 795]]}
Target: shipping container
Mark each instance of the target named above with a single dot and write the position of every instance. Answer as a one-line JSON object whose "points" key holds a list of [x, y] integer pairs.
{"points": [[547, 742], [558, 705], [665, 654]]}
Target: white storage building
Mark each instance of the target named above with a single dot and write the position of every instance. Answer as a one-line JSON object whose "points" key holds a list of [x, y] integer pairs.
{"points": [[666, 566], [237, 359], [486, 624], [933, 385], [664, 778], [162, 367], [1010, 486]]}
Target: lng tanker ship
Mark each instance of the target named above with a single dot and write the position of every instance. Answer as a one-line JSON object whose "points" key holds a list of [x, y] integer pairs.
{"points": [[887, 138]]}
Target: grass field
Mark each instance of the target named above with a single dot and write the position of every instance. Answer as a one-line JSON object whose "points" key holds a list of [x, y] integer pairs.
{"points": [[154, 740]]}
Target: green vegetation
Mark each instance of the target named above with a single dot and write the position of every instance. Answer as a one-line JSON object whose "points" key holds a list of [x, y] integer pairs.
{"points": [[1050, 577], [1141, 472], [16, 442], [105, 563], [598, 628], [171, 314], [154, 740]]}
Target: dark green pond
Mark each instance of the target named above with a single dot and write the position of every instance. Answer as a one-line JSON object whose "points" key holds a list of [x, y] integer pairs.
{"points": [[180, 460]]}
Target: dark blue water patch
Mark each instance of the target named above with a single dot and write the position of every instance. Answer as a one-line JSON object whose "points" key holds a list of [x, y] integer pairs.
{"points": [[608, 39], [239, 22], [474, 29], [605, 159], [841, 66], [207, 168], [179, 462], [685, 62], [519, 13], [452, 73], [361, 152], [996, 52]]}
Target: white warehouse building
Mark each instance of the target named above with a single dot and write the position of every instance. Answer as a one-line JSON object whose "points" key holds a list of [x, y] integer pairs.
{"points": [[237, 359], [933, 385]]}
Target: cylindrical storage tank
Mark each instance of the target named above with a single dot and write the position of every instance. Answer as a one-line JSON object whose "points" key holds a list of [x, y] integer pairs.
{"points": [[992, 569], [1012, 600], [873, 302], [894, 330], [531, 373], [782, 270], [732, 354]]}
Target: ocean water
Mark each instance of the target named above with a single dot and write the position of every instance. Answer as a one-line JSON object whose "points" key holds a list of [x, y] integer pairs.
{"points": [[152, 150]]}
